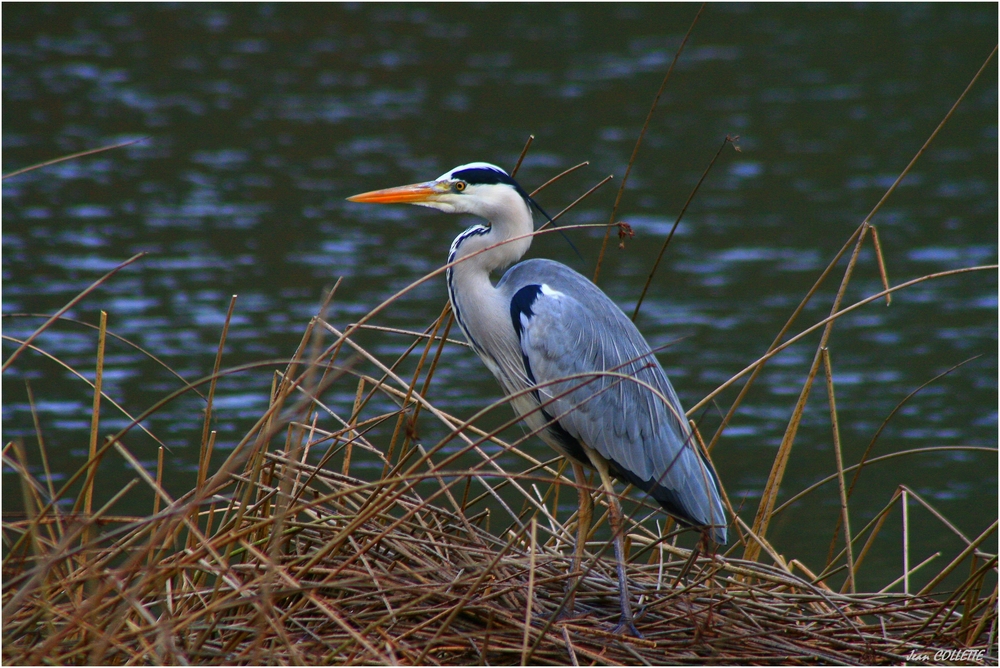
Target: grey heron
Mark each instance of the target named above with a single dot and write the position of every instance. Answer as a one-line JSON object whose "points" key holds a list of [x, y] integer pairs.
{"points": [[578, 372]]}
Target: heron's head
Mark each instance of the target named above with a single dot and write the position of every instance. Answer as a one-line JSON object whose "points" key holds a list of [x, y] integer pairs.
{"points": [[478, 188]]}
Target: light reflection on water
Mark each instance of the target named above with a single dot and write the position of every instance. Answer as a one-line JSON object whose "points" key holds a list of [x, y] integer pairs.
{"points": [[259, 120]]}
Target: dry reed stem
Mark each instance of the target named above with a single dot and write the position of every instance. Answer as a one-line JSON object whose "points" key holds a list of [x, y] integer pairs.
{"points": [[638, 142], [839, 457], [72, 156], [770, 495], [117, 337], [730, 139], [79, 375], [73, 302]]}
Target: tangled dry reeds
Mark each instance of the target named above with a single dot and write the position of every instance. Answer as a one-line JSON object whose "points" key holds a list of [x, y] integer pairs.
{"points": [[306, 566]]}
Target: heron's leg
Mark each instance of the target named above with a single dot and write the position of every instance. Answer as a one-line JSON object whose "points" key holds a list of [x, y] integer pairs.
{"points": [[583, 520], [625, 624]]}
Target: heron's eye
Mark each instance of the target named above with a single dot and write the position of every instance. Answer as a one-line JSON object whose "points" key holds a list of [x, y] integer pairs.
{"points": [[460, 185]]}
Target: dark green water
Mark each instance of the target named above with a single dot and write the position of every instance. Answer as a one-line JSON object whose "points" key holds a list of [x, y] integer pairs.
{"points": [[259, 120]]}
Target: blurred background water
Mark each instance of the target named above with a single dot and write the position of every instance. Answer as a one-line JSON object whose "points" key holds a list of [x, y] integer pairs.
{"points": [[258, 120]]}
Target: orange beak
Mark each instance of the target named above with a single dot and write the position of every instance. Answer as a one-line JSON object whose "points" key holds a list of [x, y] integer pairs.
{"points": [[412, 194]]}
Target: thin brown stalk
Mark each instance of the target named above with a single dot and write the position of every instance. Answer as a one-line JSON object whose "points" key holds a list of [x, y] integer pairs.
{"points": [[111, 334], [878, 432], [403, 422], [905, 503], [777, 340], [876, 527], [770, 494], [528, 612], [839, 456], [558, 176], [412, 428], [875, 460], [159, 479], [524, 152], [73, 302], [407, 332], [207, 425], [638, 143], [43, 455], [880, 260], [95, 418], [830, 318], [353, 424], [572, 204], [666, 242], [73, 156]]}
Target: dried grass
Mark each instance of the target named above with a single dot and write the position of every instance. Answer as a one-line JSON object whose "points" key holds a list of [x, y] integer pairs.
{"points": [[307, 566]]}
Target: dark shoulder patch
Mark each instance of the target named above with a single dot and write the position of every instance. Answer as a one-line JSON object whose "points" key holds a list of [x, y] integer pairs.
{"points": [[520, 303]]}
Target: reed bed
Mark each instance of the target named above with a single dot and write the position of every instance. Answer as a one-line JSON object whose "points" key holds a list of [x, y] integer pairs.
{"points": [[291, 549], [308, 566]]}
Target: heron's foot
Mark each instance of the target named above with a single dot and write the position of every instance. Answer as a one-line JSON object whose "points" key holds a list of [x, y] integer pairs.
{"points": [[627, 627]]}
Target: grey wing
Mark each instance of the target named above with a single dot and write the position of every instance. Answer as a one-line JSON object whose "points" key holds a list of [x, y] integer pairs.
{"points": [[607, 390]]}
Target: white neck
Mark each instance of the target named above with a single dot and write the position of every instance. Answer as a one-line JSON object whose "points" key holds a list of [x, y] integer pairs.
{"points": [[478, 251], [509, 218]]}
